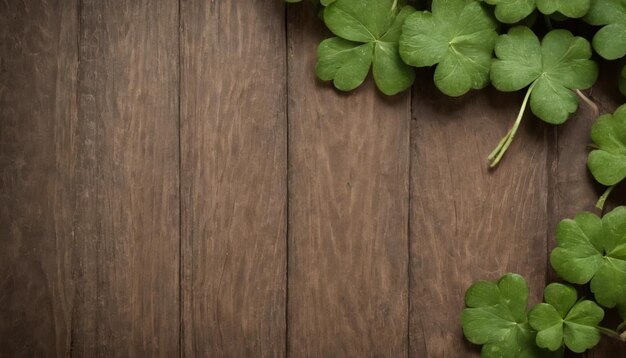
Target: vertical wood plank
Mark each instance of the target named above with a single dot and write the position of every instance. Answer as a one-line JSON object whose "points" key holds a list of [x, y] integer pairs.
{"points": [[348, 200], [574, 188], [467, 222], [233, 178], [129, 99], [38, 60]]}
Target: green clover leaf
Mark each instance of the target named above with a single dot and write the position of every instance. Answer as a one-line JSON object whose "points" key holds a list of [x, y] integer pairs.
{"points": [[610, 40], [496, 318], [594, 249], [458, 36], [551, 69], [513, 11], [564, 320], [569, 8], [367, 32], [608, 162]]}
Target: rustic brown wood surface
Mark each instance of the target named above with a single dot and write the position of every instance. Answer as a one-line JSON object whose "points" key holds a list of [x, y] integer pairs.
{"points": [[469, 222], [174, 181], [348, 208], [233, 172]]}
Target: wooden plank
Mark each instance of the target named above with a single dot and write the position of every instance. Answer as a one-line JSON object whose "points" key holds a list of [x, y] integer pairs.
{"points": [[38, 60], [469, 222], [575, 190], [348, 217], [233, 178], [128, 97]]}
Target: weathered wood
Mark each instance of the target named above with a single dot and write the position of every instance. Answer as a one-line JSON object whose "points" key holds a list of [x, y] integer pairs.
{"points": [[128, 99], [234, 190], [38, 60], [348, 211], [574, 189], [469, 222]]}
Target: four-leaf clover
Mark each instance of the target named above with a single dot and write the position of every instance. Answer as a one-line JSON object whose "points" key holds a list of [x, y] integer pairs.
{"points": [[610, 41], [594, 249], [368, 33], [551, 69], [608, 162], [564, 320], [458, 36], [496, 318]]}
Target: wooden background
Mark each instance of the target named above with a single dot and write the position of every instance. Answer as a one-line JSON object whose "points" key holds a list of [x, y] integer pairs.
{"points": [[175, 181]]}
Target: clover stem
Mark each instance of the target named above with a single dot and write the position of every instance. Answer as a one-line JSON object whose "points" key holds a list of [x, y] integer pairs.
{"points": [[589, 102], [496, 156], [395, 4], [602, 200], [611, 333]]}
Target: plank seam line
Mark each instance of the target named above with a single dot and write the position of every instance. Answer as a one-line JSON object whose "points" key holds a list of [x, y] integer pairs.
{"points": [[287, 189], [408, 224], [180, 196]]}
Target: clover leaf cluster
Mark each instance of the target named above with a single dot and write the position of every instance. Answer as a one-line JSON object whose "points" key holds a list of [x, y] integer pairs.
{"points": [[471, 44], [591, 250]]}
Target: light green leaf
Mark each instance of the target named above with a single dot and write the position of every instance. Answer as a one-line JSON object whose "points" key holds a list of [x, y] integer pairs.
{"points": [[558, 65], [610, 41], [551, 69], [368, 32], [344, 62], [593, 250], [608, 162], [569, 8], [458, 36], [512, 11], [496, 318], [564, 320]]}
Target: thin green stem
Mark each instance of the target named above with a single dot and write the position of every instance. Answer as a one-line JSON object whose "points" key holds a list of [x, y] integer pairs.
{"points": [[602, 200], [589, 102], [395, 4], [496, 156], [611, 333]]}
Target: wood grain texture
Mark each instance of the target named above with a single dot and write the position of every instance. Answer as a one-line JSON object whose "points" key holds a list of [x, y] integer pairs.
{"points": [[468, 222], [234, 178], [575, 190], [128, 103], [38, 60], [348, 217]]}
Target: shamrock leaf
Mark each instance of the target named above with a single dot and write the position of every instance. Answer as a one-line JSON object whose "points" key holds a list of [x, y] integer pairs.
{"points": [[610, 41], [458, 36], [368, 33], [594, 249], [569, 8], [622, 81], [512, 11], [608, 162], [564, 320], [551, 69], [496, 318]]}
